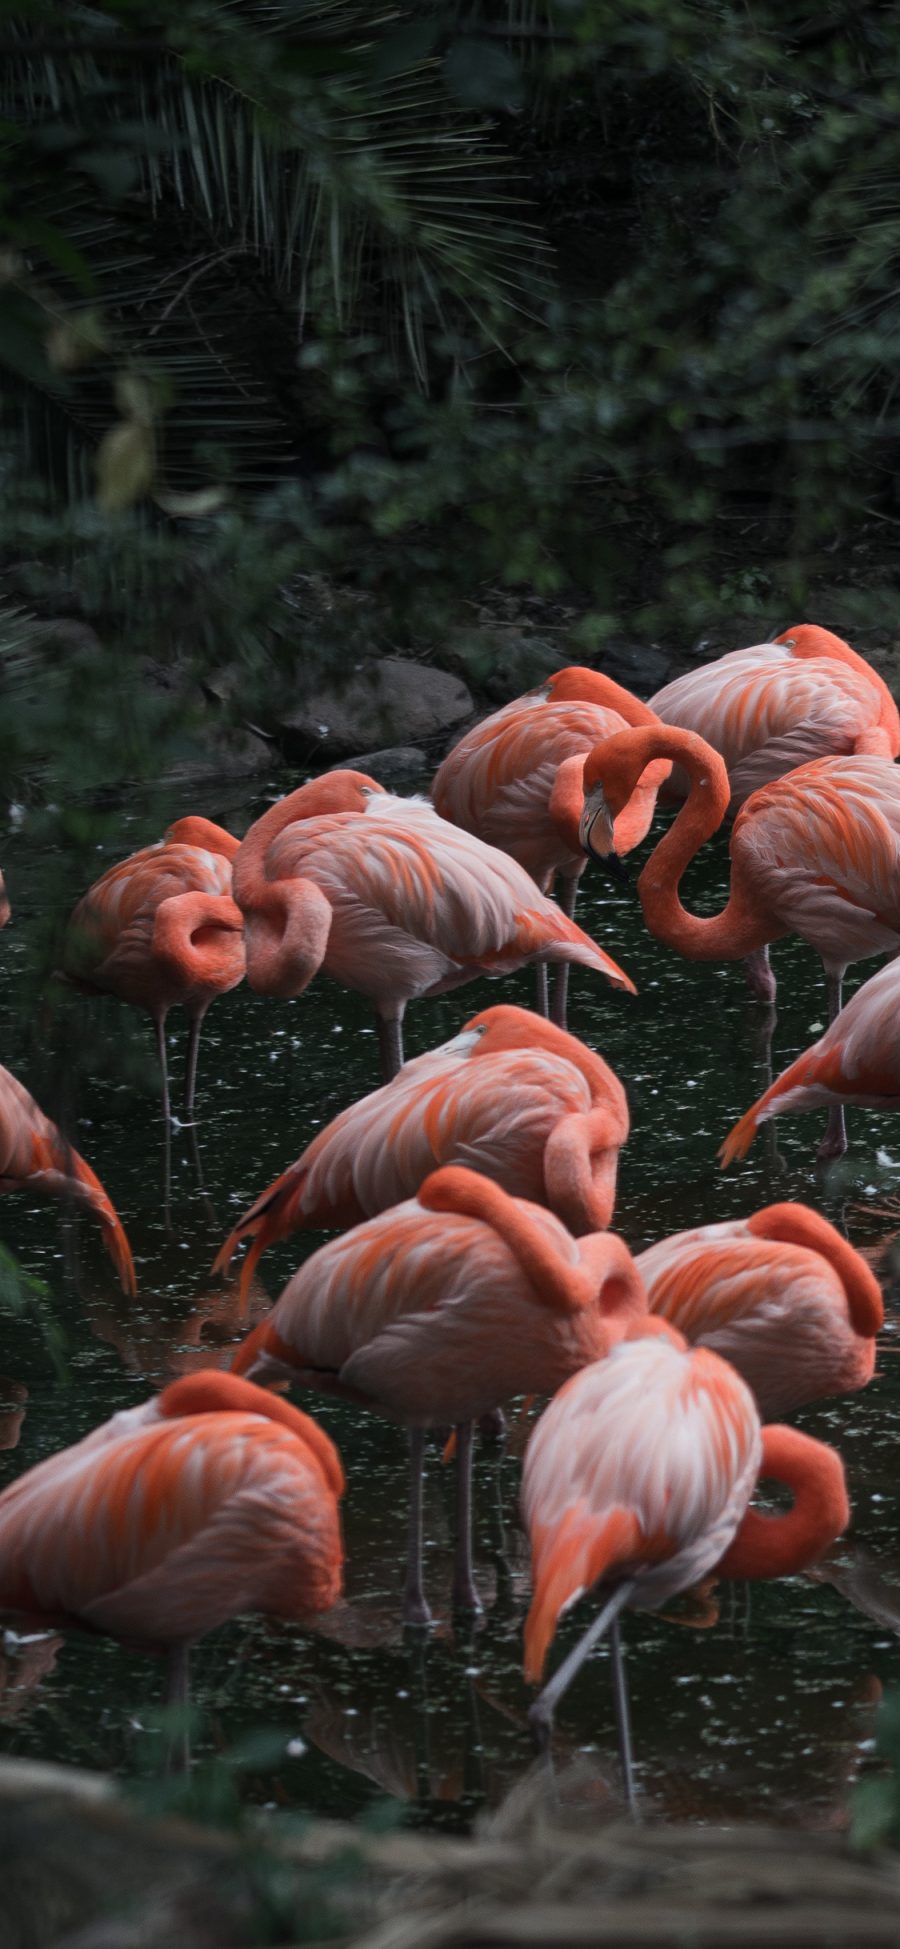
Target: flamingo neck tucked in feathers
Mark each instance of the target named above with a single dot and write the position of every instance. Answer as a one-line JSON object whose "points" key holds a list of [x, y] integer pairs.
{"points": [[798, 1225], [782, 1545]]}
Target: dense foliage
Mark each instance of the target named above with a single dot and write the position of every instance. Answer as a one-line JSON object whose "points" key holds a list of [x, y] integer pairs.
{"points": [[327, 324]]}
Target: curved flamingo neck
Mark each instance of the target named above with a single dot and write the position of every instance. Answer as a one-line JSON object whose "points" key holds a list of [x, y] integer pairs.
{"points": [[797, 1225], [566, 802], [194, 831], [337, 791], [213, 1392], [781, 1545], [564, 1287], [742, 926], [200, 936], [578, 685]]}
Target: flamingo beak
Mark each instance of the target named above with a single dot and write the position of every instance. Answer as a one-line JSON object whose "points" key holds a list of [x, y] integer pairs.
{"points": [[595, 829]]}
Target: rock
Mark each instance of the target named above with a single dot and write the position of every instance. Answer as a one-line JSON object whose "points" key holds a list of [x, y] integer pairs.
{"points": [[641, 667], [740, 633], [508, 662], [400, 764], [218, 754], [384, 699]]}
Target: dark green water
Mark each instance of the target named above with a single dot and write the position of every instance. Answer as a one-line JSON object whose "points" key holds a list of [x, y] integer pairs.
{"points": [[769, 1712]]}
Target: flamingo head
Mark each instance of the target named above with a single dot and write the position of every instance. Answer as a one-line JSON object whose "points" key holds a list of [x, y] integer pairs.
{"points": [[604, 797]]}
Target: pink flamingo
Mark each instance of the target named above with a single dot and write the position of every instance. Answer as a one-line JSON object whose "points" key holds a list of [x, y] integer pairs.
{"points": [[778, 705], [636, 1485], [516, 781], [857, 1060], [211, 1500], [512, 1096], [781, 1295], [439, 1311], [391, 900], [36, 1155], [816, 853], [161, 929]]}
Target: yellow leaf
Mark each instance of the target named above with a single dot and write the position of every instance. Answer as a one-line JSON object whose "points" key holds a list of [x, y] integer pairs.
{"points": [[126, 465], [74, 341], [136, 397], [203, 501]]}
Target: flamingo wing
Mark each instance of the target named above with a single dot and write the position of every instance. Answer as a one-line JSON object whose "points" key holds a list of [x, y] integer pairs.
{"points": [[642, 1466], [767, 713], [398, 874], [163, 1532], [34, 1152], [823, 847]]}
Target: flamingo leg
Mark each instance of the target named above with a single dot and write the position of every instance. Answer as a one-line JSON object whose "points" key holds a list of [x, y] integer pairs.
{"points": [[190, 1074], [622, 1711], [177, 1698], [761, 976], [540, 1717], [390, 1043], [568, 894], [160, 1021], [415, 1606], [541, 990], [834, 1142], [465, 1595]]}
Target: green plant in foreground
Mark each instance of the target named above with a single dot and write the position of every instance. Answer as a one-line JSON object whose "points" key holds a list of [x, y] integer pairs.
{"points": [[282, 1898], [875, 1803]]}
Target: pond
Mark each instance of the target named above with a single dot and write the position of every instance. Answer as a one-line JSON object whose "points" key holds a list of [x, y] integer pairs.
{"points": [[768, 1711]]}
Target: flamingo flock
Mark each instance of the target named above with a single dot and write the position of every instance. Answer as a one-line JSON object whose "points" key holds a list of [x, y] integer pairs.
{"points": [[472, 1192]]}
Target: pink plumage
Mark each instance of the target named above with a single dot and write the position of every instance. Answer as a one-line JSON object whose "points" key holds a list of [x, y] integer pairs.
{"points": [[512, 1096], [391, 900], [781, 1295], [857, 1060], [211, 1500], [774, 706]]}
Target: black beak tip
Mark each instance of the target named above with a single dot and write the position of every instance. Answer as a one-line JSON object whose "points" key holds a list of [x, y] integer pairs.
{"points": [[618, 869]]}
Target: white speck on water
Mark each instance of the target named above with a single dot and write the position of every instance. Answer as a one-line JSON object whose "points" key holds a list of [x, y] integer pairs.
{"points": [[690, 1084], [403, 1695], [472, 1671], [870, 1190], [296, 1748], [887, 1162], [815, 1028]]}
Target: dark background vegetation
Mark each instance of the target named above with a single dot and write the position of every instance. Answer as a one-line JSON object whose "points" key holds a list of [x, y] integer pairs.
{"points": [[328, 328]]}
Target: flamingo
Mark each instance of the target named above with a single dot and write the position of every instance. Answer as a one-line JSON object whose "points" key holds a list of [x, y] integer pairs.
{"points": [[390, 899], [5, 909], [778, 705], [857, 1060], [515, 781], [160, 929], [36, 1155], [210, 1500], [511, 1096], [816, 853], [636, 1485], [781, 1295], [438, 1311]]}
